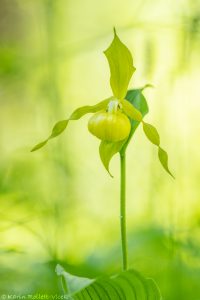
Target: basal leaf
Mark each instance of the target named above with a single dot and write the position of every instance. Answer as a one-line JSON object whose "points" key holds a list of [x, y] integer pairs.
{"points": [[131, 111], [128, 285], [121, 67], [72, 283], [151, 133], [60, 126], [107, 150], [153, 289], [163, 157]]}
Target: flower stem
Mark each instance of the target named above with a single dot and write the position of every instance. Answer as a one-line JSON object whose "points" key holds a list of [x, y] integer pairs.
{"points": [[123, 208]]}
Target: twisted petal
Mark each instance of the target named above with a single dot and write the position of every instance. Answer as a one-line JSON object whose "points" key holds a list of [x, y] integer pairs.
{"points": [[149, 130], [153, 136], [60, 126]]}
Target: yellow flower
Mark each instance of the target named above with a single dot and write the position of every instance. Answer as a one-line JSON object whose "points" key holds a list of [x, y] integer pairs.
{"points": [[111, 125]]}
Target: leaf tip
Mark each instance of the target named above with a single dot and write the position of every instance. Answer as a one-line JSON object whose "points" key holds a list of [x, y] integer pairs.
{"points": [[59, 270], [114, 30], [148, 85]]}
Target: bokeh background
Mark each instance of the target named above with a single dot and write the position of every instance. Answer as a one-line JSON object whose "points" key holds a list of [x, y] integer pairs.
{"points": [[59, 204]]}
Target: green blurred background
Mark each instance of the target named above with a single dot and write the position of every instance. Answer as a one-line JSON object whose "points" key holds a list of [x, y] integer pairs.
{"points": [[59, 204]]}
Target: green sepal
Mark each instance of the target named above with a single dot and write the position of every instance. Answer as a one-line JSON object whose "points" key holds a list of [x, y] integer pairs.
{"points": [[107, 150], [60, 126], [125, 285], [121, 67]]}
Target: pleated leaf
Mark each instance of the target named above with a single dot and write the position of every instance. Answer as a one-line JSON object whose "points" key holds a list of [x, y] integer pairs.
{"points": [[60, 126], [71, 283], [121, 67], [128, 285]]}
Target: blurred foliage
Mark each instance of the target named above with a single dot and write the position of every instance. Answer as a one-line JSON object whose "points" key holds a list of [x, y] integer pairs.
{"points": [[59, 205]]}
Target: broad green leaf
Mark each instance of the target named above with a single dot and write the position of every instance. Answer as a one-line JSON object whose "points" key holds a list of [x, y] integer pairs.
{"points": [[163, 157], [60, 126], [121, 67], [153, 289], [131, 111], [107, 150], [137, 99], [72, 283], [128, 285], [151, 133]]}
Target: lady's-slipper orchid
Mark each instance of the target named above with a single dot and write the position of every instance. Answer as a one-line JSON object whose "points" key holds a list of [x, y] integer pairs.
{"points": [[117, 117]]}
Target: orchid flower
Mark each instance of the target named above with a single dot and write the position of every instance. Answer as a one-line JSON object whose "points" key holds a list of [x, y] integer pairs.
{"points": [[116, 118]]}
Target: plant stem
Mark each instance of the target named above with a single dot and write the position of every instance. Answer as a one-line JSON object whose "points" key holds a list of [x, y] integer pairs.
{"points": [[123, 208]]}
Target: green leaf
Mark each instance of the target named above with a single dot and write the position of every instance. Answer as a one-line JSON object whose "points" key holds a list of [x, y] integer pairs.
{"points": [[151, 133], [129, 285], [131, 111], [137, 99], [107, 150], [163, 157], [153, 289], [60, 126], [72, 283], [121, 67]]}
